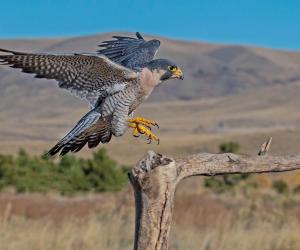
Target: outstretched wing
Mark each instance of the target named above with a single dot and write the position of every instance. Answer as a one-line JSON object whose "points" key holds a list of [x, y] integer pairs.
{"points": [[88, 77], [130, 52]]}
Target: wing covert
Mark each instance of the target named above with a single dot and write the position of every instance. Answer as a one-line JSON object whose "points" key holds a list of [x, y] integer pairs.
{"points": [[130, 52]]}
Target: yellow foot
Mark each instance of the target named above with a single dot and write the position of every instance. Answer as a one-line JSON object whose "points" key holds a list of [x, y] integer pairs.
{"points": [[143, 121], [141, 125]]}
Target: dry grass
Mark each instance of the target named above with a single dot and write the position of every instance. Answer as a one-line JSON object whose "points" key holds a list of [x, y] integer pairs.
{"points": [[114, 232], [95, 232], [75, 227], [201, 222], [241, 234]]}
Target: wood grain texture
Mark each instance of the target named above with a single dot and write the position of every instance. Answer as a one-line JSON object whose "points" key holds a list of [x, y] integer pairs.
{"points": [[155, 177]]}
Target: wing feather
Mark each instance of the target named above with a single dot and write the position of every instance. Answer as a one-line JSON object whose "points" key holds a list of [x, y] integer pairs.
{"points": [[131, 52], [87, 76], [90, 129]]}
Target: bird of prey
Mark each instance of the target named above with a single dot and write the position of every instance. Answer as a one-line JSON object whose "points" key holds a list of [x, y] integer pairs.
{"points": [[114, 81]]}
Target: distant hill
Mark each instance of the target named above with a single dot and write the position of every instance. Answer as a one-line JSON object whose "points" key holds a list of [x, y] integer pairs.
{"points": [[210, 70], [238, 87]]}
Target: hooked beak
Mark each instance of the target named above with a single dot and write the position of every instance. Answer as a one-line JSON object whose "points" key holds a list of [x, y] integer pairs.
{"points": [[178, 74]]}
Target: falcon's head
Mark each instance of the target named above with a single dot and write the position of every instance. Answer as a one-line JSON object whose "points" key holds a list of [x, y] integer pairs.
{"points": [[165, 69]]}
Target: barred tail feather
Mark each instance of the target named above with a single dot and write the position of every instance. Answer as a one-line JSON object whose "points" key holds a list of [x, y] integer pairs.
{"points": [[84, 132]]}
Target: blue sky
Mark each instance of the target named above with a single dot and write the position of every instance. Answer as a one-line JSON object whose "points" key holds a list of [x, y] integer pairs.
{"points": [[268, 23]]}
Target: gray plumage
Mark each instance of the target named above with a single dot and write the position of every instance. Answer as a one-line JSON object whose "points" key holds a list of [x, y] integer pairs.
{"points": [[114, 83], [130, 52]]}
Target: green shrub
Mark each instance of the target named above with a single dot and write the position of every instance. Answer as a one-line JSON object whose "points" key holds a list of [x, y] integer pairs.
{"points": [[280, 186], [229, 147], [67, 175], [217, 184], [224, 183]]}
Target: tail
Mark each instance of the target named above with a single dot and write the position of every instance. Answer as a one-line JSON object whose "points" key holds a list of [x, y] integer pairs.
{"points": [[90, 129]]}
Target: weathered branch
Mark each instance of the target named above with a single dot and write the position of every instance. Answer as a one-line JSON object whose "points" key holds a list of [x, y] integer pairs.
{"points": [[210, 164], [155, 178], [265, 147]]}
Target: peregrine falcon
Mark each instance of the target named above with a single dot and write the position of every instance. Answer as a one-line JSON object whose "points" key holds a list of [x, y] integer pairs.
{"points": [[115, 81]]}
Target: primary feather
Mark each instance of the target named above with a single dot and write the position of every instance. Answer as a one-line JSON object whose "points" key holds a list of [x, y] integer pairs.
{"points": [[88, 77]]}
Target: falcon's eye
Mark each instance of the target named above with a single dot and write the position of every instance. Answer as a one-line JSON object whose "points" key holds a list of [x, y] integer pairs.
{"points": [[172, 68]]}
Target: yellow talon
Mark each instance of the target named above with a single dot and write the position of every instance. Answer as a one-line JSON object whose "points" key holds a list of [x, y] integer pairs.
{"points": [[135, 132], [143, 121], [141, 125]]}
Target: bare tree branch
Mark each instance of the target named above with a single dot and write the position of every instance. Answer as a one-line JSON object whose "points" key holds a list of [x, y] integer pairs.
{"points": [[155, 177]]}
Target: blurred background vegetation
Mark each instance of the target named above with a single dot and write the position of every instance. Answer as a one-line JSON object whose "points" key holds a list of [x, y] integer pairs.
{"points": [[66, 175], [69, 174], [225, 183]]}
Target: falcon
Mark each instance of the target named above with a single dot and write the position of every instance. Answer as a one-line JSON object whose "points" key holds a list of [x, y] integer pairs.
{"points": [[114, 81]]}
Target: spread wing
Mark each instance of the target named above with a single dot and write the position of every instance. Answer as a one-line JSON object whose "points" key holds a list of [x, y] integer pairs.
{"points": [[88, 77], [130, 52]]}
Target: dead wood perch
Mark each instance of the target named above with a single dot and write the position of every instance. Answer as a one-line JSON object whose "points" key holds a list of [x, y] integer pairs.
{"points": [[155, 177]]}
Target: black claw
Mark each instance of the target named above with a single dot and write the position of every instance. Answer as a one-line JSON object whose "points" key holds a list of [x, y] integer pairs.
{"points": [[147, 126], [136, 136], [158, 141], [156, 125], [149, 140]]}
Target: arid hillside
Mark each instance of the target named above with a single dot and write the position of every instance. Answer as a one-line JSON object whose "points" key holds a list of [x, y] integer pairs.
{"points": [[210, 70], [229, 93]]}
